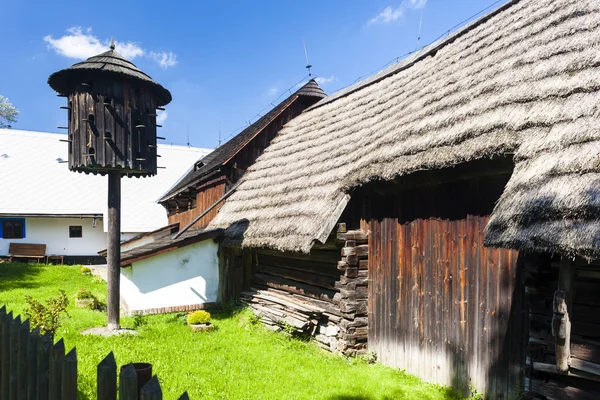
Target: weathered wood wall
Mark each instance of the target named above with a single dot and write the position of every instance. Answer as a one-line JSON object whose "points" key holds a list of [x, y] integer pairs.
{"points": [[208, 193], [583, 378], [441, 305]]}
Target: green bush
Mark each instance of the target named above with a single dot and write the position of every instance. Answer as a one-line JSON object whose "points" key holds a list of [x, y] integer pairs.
{"points": [[47, 317], [84, 294], [198, 317], [86, 271]]}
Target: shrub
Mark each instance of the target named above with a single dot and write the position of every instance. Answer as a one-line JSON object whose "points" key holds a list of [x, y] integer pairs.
{"points": [[139, 320], [86, 271], [84, 294], [47, 317], [198, 317]]}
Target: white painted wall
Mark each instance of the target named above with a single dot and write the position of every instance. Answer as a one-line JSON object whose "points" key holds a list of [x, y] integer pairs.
{"points": [[54, 233], [185, 276]]}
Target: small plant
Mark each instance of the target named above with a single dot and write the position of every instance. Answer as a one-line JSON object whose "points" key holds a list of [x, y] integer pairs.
{"points": [[198, 317], [139, 320], [85, 271], [288, 329], [84, 294], [248, 319], [47, 317]]}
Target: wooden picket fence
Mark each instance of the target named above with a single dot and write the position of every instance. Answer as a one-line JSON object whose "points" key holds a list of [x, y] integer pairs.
{"points": [[32, 367]]}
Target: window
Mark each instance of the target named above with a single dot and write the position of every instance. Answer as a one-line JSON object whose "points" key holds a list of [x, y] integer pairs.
{"points": [[75, 232], [13, 228]]}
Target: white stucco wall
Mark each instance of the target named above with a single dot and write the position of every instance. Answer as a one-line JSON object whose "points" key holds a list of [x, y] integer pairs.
{"points": [[54, 233], [185, 276]]}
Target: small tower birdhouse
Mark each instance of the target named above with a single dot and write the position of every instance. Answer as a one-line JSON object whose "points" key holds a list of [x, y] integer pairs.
{"points": [[112, 131], [112, 108]]}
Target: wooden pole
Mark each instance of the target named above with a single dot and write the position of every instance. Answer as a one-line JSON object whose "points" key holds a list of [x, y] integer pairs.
{"points": [[561, 320], [114, 249]]}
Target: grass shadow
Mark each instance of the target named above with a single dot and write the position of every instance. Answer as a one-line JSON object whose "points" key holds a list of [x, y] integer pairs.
{"points": [[19, 276]]}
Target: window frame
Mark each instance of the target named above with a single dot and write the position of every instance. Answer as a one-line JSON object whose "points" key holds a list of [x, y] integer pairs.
{"points": [[3, 228], [72, 229]]}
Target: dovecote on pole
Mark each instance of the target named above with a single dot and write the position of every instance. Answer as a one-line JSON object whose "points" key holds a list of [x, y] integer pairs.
{"points": [[112, 109]]}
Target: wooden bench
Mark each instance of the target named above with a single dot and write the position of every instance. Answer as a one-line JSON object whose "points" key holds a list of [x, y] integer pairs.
{"points": [[26, 250]]}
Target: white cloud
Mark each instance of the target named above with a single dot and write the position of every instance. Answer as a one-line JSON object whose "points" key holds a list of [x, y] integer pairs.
{"points": [[417, 3], [164, 59], [388, 15], [273, 91], [80, 44], [324, 81], [161, 117]]}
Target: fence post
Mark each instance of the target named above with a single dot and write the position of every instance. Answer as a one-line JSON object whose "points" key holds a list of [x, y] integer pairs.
{"points": [[184, 396], [69, 376], [14, 355], [5, 356], [107, 378], [56, 358], [43, 365], [34, 339], [151, 390], [128, 389], [23, 369]]}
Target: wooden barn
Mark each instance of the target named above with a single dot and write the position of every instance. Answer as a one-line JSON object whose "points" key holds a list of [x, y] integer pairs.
{"points": [[177, 267], [443, 213]]}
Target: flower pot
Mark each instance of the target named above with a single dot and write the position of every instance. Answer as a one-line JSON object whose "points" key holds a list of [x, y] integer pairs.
{"points": [[85, 303], [203, 327]]}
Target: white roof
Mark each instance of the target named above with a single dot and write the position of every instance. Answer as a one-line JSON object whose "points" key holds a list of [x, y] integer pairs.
{"points": [[32, 181]]}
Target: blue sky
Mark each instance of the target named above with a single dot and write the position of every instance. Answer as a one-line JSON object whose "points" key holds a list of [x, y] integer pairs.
{"points": [[222, 62]]}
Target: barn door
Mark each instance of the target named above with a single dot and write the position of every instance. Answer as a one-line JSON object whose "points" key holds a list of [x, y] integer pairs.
{"points": [[441, 305]]}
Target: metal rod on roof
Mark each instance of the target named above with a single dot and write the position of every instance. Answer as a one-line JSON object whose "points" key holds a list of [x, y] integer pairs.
{"points": [[161, 138], [62, 127], [65, 108], [209, 209]]}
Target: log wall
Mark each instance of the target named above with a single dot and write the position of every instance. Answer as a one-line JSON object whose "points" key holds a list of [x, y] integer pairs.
{"points": [[582, 380]]}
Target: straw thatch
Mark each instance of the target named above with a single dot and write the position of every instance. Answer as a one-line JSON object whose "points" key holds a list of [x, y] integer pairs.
{"points": [[504, 84]]}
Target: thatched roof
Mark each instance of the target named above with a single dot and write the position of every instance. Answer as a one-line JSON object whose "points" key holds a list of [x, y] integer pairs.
{"points": [[222, 154], [506, 83], [107, 63]]}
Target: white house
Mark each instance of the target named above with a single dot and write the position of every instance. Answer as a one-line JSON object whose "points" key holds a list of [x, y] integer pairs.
{"points": [[42, 202]]}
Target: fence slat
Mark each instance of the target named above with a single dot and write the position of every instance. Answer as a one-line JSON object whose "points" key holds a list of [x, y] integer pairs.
{"points": [[151, 390], [6, 356], [107, 378], [14, 355], [43, 366], [128, 383], [22, 371], [56, 359], [184, 396], [69, 376], [32, 354], [3, 318]]}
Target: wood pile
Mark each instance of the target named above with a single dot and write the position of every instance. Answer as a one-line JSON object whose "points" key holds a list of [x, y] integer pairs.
{"points": [[353, 289], [322, 295]]}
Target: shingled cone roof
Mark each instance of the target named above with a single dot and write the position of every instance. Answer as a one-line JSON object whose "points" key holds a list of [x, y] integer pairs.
{"points": [[109, 62]]}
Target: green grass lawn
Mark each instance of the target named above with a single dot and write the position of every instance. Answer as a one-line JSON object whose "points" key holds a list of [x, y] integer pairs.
{"points": [[238, 361]]}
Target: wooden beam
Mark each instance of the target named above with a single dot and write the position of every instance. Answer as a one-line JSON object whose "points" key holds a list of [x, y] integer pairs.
{"points": [[561, 322]]}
